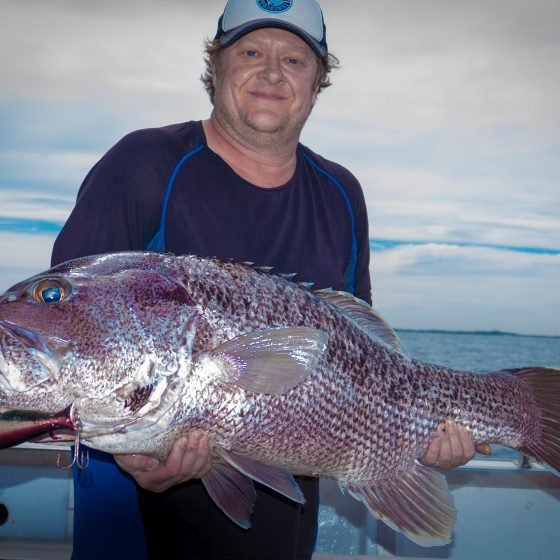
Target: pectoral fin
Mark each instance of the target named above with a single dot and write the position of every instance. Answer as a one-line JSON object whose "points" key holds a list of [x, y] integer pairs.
{"points": [[269, 361], [418, 504]]}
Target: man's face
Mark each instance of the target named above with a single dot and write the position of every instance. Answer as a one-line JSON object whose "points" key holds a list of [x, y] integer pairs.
{"points": [[266, 83]]}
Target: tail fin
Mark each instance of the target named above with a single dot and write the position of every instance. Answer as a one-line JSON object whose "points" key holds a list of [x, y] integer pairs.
{"points": [[544, 384]]}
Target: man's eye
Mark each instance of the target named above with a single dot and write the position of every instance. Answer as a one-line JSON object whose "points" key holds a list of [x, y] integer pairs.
{"points": [[293, 61], [251, 53]]}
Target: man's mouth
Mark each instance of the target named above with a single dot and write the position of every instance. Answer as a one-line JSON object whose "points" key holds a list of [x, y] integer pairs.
{"points": [[267, 96]]}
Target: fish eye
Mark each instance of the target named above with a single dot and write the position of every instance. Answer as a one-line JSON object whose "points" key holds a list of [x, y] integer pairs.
{"points": [[51, 294], [50, 290]]}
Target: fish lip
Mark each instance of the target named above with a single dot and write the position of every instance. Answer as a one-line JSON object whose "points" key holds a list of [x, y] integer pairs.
{"points": [[89, 430], [33, 339]]}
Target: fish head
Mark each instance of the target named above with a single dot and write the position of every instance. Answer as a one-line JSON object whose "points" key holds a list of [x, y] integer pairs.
{"points": [[107, 337]]}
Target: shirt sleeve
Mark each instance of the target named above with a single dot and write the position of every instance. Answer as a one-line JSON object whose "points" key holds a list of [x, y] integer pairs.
{"points": [[119, 203]]}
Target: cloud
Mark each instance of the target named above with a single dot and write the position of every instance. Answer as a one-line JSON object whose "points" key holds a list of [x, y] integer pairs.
{"points": [[467, 288], [32, 212], [466, 261], [22, 256], [438, 64], [87, 49], [431, 204]]}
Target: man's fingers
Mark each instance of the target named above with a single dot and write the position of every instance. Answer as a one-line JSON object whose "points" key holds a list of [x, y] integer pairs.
{"points": [[188, 458], [458, 448], [433, 452], [136, 463], [485, 449], [196, 457], [465, 443], [452, 447], [204, 454], [446, 452], [175, 462]]}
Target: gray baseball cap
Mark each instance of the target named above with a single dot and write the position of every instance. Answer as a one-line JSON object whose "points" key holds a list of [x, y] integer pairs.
{"points": [[303, 17]]}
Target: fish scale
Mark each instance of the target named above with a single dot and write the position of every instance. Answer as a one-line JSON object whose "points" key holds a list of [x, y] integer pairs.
{"points": [[142, 348]]}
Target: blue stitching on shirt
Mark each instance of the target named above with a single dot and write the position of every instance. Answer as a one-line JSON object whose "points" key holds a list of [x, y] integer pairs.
{"points": [[157, 242], [350, 272]]}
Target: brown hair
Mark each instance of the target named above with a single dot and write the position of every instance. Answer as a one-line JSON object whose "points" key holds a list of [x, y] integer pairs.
{"points": [[213, 51]]}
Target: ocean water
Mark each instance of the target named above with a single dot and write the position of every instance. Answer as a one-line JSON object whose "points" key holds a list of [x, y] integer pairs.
{"points": [[482, 352]]}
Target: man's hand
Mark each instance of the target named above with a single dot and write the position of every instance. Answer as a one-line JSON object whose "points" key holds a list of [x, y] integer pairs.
{"points": [[452, 447], [189, 458]]}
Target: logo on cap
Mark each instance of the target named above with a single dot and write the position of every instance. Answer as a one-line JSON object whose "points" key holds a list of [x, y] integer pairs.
{"points": [[275, 6]]}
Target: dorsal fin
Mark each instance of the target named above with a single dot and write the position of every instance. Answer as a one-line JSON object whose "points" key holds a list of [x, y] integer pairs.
{"points": [[287, 275], [365, 316]]}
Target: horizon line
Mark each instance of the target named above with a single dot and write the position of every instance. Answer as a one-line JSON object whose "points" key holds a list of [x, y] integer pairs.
{"points": [[492, 332]]}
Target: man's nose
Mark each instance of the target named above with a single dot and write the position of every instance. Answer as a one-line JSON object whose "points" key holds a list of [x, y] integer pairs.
{"points": [[272, 69]]}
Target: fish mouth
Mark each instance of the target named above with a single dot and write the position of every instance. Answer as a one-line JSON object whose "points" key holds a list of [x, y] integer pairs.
{"points": [[20, 425]]}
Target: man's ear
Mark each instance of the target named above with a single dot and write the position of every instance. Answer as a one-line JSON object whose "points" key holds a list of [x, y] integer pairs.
{"points": [[214, 75], [314, 96]]}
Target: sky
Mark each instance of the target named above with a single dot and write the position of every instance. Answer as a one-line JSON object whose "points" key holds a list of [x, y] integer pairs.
{"points": [[447, 112]]}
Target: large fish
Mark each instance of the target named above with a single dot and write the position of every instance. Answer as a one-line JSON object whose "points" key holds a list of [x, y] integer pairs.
{"points": [[128, 351]]}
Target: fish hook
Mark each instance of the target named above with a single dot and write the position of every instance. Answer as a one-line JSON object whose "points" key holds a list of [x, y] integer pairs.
{"points": [[80, 458]]}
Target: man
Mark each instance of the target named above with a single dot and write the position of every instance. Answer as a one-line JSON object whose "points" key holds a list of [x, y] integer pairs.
{"points": [[238, 185]]}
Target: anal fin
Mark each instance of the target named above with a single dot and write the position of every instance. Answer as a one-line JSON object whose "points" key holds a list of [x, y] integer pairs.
{"points": [[418, 503]]}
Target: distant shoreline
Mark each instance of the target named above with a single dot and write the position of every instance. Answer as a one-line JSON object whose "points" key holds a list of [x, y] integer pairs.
{"points": [[484, 333]]}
